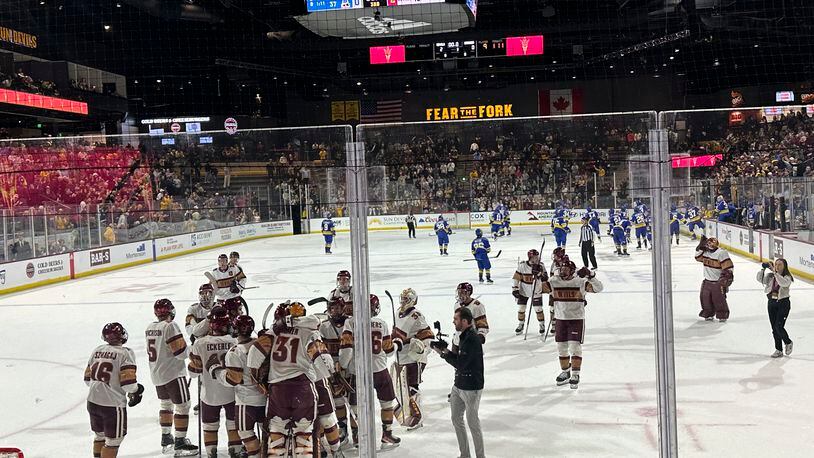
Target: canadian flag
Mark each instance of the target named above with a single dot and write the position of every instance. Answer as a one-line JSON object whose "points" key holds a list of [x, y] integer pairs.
{"points": [[559, 101]]}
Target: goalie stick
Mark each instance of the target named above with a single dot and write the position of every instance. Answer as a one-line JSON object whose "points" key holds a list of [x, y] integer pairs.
{"points": [[496, 256]]}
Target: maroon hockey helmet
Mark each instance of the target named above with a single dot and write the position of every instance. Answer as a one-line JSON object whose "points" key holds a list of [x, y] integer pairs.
{"points": [[712, 243], [567, 270], [558, 254], [206, 295], [243, 325], [464, 287], [533, 255], [114, 334], [343, 281], [233, 306], [336, 307], [163, 308], [219, 320], [374, 305]]}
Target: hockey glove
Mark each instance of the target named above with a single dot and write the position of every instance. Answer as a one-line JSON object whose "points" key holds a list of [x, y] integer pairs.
{"points": [[214, 360], [135, 398], [702, 244], [727, 277], [235, 288], [516, 293], [398, 344], [416, 349], [585, 273], [544, 276]]}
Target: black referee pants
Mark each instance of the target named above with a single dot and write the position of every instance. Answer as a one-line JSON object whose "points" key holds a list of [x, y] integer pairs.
{"points": [[410, 230], [588, 251]]}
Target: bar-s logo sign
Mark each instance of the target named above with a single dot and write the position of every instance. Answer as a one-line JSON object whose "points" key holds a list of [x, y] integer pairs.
{"points": [[99, 257]]}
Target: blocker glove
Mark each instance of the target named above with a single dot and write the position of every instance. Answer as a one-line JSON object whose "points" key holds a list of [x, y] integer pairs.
{"points": [[586, 273], [516, 293], [702, 244]]}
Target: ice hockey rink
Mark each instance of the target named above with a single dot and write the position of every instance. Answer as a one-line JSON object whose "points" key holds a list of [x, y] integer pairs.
{"points": [[733, 400]]}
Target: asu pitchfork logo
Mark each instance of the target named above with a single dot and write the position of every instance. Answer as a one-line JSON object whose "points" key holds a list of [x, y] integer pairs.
{"points": [[524, 42]]}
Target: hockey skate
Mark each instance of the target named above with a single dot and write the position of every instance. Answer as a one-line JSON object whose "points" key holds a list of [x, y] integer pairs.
{"points": [[489, 280], [184, 448], [389, 440], [574, 381], [167, 442], [564, 377], [519, 329], [542, 329]]}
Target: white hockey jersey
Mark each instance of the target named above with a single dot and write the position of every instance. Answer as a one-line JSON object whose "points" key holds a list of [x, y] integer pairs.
{"points": [[523, 279], [411, 324], [382, 345], [478, 313], [714, 262], [195, 315], [288, 354], [224, 280], [213, 393], [237, 375], [347, 296], [166, 351], [111, 374], [569, 295]]}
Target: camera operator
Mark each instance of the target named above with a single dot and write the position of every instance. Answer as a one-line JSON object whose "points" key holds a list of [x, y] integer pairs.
{"points": [[466, 393]]}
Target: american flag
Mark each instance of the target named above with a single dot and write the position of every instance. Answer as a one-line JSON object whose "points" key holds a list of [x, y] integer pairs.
{"points": [[381, 111]]}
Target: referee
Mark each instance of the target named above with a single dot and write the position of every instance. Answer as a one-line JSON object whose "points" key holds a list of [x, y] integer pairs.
{"points": [[410, 225], [586, 241]]}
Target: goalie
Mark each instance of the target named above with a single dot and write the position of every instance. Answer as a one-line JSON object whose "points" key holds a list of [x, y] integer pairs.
{"points": [[718, 276]]}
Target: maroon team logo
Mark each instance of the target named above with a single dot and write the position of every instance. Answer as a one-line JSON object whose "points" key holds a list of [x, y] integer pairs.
{"points": [[29, 270]]}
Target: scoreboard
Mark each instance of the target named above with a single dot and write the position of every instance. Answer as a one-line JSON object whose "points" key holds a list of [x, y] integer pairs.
{"points": [[332, 5], [448, 50]]}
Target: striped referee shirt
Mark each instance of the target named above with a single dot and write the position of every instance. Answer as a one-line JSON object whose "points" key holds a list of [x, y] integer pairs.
{"points": [[586, 234]]}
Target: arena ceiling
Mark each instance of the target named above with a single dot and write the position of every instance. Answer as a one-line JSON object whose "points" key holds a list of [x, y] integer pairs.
{"points": [[236, 49]]}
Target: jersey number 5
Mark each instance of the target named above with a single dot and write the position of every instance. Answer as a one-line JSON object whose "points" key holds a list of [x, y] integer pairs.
{"points": [[377, 342], [152, 352], [281, 352]]}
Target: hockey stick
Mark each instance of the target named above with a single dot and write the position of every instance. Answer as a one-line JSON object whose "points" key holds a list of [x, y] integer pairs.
{"points": [[266, 314], [548, 328], [317, 300], [533, 290], [200, 414], [398, 361], [496, 256]]}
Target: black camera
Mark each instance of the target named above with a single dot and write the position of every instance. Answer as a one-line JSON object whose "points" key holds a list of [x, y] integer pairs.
{"points": [[766, 265], [439, 343]]}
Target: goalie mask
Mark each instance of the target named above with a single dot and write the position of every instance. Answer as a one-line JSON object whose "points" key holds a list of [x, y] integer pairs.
{"points": [[534, 256], [343, 281], [712, 243], [408, 298], [206, 296], [463, 292], [336, 308], [567, 270]]}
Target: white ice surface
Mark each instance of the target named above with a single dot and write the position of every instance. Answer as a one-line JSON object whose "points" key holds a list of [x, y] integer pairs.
{"points": [[733, 400]]}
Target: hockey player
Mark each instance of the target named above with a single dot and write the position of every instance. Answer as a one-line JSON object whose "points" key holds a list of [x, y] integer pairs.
{"points": [[593, 220], [195, 324], [676, 218], [228, 280], [718, 276], [167, 351], [234, 259], [507, 220], [640, 225], [558, 259], [411, 335], [722, 209], [480, 250], [331, 332], [442, 231], [343, 291], [410, 220], [620, 225], [569, 292], [207, 352], [694, 220], [111, 376], [640, 207], [611, 214], [289, 355], [528, 284], [382, 383], [496, 222], [328, 232], [463, 298], [559, 227], [751, 215], [250, 397]]}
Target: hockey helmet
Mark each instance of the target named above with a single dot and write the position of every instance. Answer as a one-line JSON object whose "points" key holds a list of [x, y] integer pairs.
{"points": [[206, 295], [343, 281], [336, 307], [567, 270], [558, 254], [219, 321], [223, 262], [234, 258], [463, 291], [233, 306], [374, 305], [440, 217], [327, 215], [408, 298], [163, 308], [243, 325], [114, 334], [712, 243], [534, 256], [478, 233]]}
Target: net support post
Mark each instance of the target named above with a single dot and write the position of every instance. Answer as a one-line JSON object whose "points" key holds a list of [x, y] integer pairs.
{"points": [[660, 173], [357, 201]]}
